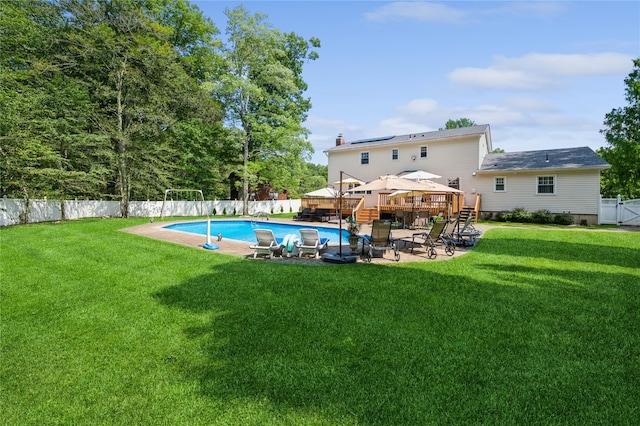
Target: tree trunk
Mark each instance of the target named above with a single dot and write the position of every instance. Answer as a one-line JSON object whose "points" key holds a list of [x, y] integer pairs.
{"points": [[245, 177], [121, 148]]}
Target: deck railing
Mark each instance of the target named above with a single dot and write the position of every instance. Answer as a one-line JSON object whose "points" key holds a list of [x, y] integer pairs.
{"points": [[351, 206], [446, 204]]}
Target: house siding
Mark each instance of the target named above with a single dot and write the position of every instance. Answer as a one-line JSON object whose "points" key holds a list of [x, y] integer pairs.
{"points": [[461, 155], [451, 158], [576, 192]]}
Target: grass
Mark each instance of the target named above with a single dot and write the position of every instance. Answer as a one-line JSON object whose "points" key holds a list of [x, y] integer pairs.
{"points": [[103, 327]]}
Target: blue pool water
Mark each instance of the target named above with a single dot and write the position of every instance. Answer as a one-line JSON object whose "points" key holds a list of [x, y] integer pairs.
{"points": [[243, 229]]}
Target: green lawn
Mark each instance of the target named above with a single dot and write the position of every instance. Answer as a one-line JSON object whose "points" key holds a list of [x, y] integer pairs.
{"points": [[102, 327]]}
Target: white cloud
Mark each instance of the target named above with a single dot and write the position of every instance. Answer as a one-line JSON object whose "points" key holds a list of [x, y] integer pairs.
{"points": [[421, 11], [399, 125], [541, 71], [443, 13], [419, 107], [538, 123], [527, 9]]}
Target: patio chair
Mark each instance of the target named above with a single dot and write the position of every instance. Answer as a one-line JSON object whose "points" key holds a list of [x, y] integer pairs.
{"points": [[323, 215], [450, 229], [422, 220], [433, 238], [399, 216], [266, 244], [380, 240], [468, 235], [304, 214], [311, 243]]}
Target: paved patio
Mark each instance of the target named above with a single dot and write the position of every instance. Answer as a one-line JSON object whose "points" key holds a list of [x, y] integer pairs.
{"points": [[157, 231]]}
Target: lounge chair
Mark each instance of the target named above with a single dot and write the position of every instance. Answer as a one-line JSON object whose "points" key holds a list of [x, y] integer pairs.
{"points": [[380, 239], [311, 243], [468, 235], [447, 235], [266, 244], [436, 236]]}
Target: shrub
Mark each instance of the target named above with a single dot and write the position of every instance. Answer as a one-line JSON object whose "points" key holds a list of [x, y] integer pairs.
{"points": [[519, 214], [542, 216], [224, 211], [213, 213], [503, 216], [563, 219]]}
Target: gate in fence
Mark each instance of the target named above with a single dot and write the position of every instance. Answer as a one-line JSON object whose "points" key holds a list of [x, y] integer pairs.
{"points": [[619, 212]]}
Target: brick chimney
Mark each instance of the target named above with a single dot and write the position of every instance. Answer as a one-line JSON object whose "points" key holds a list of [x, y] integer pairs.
{"points": [[340, 140]]}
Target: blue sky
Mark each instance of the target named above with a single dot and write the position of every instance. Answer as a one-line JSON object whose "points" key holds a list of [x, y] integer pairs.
{"points": [[542, 74]]}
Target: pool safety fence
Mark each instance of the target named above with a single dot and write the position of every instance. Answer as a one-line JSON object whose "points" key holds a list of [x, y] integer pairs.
{"points": [[19, 211]]}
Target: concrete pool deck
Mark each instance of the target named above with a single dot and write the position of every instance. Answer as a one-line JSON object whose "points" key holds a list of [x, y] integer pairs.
{"points": [[157, 230]]}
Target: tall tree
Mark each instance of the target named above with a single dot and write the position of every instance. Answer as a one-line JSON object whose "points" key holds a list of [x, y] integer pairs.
{"points": [[137, 77], [261, 87], [45, 143], [106, 98], [622, 134], [456, 124]]}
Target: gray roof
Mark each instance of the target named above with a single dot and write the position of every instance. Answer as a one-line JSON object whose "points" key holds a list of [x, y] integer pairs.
{"points": [[413, 137], [563, 158]]}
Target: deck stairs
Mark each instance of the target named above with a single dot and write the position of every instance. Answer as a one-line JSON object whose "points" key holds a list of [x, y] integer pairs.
{"points": [[367, 215], [466, 212]]}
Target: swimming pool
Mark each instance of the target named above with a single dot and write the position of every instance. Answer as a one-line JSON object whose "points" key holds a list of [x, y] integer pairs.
{"points": [[243, 229]]}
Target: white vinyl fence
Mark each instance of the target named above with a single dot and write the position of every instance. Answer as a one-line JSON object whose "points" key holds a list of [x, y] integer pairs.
{"points": [[615, 211], [17, 211]]}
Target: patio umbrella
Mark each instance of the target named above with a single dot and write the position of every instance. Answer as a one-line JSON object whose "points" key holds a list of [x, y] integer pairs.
{"points": [[392, 183], [395, 183], [327, 192], [349, 181], [430, 186], [419, 175]]}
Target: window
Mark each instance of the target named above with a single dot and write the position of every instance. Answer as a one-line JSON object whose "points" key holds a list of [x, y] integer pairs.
{"points": [[394, 154], [454, 183], [546, 185], [499, 184], [423, 151], [364, 158]]}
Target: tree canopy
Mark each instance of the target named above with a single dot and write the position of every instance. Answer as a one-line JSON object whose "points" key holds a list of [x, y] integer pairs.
{"points": [[122, 99], [456, 124], [261, 89], [622, 133]]}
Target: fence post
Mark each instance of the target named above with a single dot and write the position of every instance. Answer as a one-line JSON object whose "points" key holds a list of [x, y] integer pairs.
{"points": [[619, 209]]}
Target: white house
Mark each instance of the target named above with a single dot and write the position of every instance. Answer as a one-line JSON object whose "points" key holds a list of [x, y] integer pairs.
{"points": [[559, 180]]}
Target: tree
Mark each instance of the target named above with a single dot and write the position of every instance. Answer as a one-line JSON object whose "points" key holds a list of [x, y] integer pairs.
{"points": [[456, 124], [46, 147], [314, 176], [622, 134], [140, 80], [261, 87]]}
